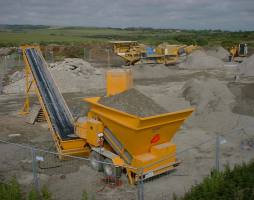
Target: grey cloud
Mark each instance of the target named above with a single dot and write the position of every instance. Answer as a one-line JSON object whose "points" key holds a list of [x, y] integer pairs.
{"points": [[197, 14]]}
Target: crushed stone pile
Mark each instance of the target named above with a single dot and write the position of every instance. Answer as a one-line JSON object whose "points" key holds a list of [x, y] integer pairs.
{"points": [[133, 102], [247, 67], [16, 76], [76, 66], [71, 75], [208, 95], [213, 102], [200, 60], [218, 52]]}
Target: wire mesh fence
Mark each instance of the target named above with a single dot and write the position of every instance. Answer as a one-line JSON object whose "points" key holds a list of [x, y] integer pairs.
{"points": [[74, 178], [68, 178], [199, 161]]}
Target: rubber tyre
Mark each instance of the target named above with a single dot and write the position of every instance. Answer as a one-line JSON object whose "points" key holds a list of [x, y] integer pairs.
{"points": [[110, 170], [94, 157]]}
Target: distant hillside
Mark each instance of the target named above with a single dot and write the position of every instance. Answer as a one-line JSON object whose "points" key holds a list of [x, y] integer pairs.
{"points": [[15, 35]]}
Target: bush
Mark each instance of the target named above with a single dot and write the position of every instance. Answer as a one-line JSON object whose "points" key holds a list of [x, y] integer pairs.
{"points": [[10, 190], [237, 183]]}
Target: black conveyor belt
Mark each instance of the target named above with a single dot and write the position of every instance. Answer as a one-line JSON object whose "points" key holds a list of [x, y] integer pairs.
{"points": [[57, 109]]}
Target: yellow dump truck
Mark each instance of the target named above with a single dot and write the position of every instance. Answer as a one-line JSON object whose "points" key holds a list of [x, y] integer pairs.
{"points": [[106, 135]]}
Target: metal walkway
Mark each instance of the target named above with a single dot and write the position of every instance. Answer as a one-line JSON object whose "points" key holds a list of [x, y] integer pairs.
{"points": [[60, 116]]}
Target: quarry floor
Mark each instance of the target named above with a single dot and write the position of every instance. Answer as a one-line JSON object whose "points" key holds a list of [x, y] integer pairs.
{"points": [[71, 178]]}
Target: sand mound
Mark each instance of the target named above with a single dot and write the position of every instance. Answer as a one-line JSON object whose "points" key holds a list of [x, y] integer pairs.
{"points": [[208, 95], [15, 87], [133, 102], [218, 52], [16, 76], [71, 75], [213, 101], [200, 60], [247, 67], [76, 66]]}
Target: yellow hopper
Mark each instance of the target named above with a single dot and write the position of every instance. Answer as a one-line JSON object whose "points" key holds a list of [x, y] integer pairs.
{"points": [[141, 142]]}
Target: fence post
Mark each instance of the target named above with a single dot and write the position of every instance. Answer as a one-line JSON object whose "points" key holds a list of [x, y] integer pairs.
{"points": [[108, 58], [140, 185], [217, 155], [34, 166]]}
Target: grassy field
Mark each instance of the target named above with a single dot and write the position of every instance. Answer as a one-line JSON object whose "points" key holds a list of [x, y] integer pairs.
{"points": [[43, 35]]}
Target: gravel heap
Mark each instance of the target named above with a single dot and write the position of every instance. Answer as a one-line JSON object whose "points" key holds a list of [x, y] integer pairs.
{"points": [[218, 52], [200, 60], [213, 102], [71, 75], [247, 67], [133, 102], [16, 76], [208, 95], [76, 66]]}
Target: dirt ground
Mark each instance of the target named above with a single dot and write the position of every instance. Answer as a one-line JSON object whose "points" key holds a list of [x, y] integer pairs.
{"points": [[165, 85]]}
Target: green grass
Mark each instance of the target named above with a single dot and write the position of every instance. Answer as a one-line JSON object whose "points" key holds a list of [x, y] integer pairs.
{"points": [[235, 184], [18, 35], [12, 191]]}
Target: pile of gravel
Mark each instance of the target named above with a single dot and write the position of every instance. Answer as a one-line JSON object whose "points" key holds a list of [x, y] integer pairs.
{"points": [[16, 76], [247, 67], [76, 66], [133, 102], [208, 95], [200, 60], [218, 52]]}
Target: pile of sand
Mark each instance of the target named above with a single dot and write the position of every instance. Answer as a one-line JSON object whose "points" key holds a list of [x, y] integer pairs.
{"points": [[247, 67], [71, 75], [76, 66], [213, 102], [218, 52], [208, 95], [133, 102], [16, 76], [200, 60]]}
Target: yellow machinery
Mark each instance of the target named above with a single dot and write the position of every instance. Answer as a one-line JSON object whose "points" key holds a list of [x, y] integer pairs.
{"points": [[130, 51], [167, 54], [118, 80], [189, 49], [238, 52], [171, 53], [133, 144], [37, 78], [133, 52]]}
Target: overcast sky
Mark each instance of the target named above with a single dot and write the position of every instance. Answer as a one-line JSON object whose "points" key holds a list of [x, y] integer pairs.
{"points": [[187, 14]]}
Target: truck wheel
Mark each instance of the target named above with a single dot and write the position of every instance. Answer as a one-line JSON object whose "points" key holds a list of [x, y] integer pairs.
{"points": [[110, 170], [94, 157]]}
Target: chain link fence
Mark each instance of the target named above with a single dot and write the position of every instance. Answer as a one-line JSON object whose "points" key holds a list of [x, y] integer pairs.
{"points": [[73, 178], [198, 161], [68, 178], [7, 63]]}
